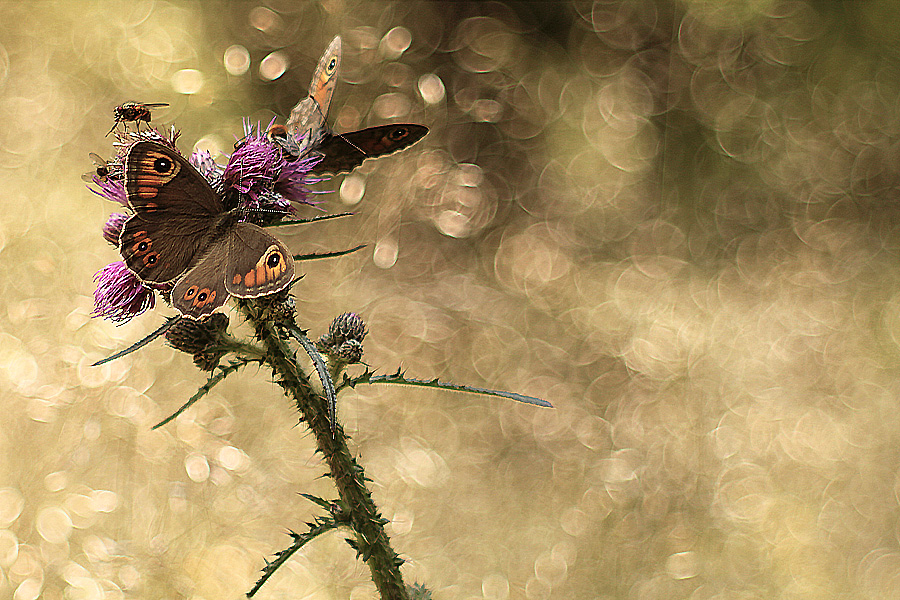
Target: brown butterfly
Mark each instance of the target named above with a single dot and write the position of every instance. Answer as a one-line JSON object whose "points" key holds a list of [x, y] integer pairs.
{"points": [[134, 112], [308, 128], [181, 231]]}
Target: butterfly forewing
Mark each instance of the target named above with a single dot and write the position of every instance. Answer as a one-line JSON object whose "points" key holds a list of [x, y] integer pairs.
{"points": [[344, 152], [160, 183], [175, 212], [257, 263]]}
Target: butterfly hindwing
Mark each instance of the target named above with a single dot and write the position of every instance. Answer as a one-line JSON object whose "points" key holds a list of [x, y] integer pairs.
{"points": [[346, 151], [257, 264], [159, 251], [202, 289]]}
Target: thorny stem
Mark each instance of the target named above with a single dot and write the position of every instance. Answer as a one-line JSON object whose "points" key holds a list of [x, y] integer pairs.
{"points": [[370, 540]]}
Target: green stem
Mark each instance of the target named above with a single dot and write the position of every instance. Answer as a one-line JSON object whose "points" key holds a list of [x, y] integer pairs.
{"points": [[371, 541]]}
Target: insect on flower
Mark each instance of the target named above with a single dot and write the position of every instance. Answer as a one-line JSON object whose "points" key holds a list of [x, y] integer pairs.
{"points": [[134, 112], [103, 170], [278, 134]]}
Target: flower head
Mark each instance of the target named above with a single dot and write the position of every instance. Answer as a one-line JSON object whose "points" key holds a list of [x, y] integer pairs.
{"points": [[343, 342], [120, 295], [266, 177], [111, 189], [202, 338], [113, 228]]}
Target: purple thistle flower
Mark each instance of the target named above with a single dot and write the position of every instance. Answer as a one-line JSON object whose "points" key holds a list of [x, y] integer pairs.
{"points": [[111, 189], [266, 177], [254, 166], [294, 180], [113, 228], [120, 296]]}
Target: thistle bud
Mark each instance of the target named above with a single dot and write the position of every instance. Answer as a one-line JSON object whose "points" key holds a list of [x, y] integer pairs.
{"points": [[348, 326], [200, 338], [343, 342]]}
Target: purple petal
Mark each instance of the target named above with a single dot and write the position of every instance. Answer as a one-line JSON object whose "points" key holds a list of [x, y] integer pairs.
{"points": [[120, 295]]}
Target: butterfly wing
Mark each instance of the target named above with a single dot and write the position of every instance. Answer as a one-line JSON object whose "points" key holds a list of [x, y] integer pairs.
{"points": [[307, 123], [257, 264], [175, 211], [344, 152], [202, 289]]}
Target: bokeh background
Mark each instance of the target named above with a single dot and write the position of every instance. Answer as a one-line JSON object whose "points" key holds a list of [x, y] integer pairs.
{"points": [[675, 220]]}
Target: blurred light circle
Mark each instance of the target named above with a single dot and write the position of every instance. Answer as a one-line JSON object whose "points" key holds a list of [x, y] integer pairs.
{"points": [[402, 521], [11, 504], [273, 66], [54, 525], [129, 576], [453, 223], [56, 481], [212, 144], [487, 111], [105, 500], [392, 105], [431, 88], [237, 60], [30, 589], [187, 81], [395, 42], [385, 255], [9, 547], [197, 467], [495, 587], [352, 189], [265, 19], [682, 565], [232, 458]]}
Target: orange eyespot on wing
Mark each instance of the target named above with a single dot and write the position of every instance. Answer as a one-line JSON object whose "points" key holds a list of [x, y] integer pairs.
{"points": [[258, 264], [266, 271], [199, 297]]}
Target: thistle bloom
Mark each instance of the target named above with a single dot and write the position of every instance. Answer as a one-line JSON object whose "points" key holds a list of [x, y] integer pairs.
{"points": [[120, 295], [113, 228], [265, 179], [111, 189]]}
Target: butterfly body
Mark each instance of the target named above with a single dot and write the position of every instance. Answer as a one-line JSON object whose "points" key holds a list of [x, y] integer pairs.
{"points": [[180, 232], [341, 153]]}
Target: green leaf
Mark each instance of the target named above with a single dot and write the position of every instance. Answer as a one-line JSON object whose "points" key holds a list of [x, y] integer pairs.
{"points": [[328, 385], [317, 255], [309, 220], [137, 345], [213, 380], [400, 378], [300, 540]]}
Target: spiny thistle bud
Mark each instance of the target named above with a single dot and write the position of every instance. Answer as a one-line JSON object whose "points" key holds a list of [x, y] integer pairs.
{"points": [[350, 351], [343, 342], [348, 326], [200, 338], [279, 307]]}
